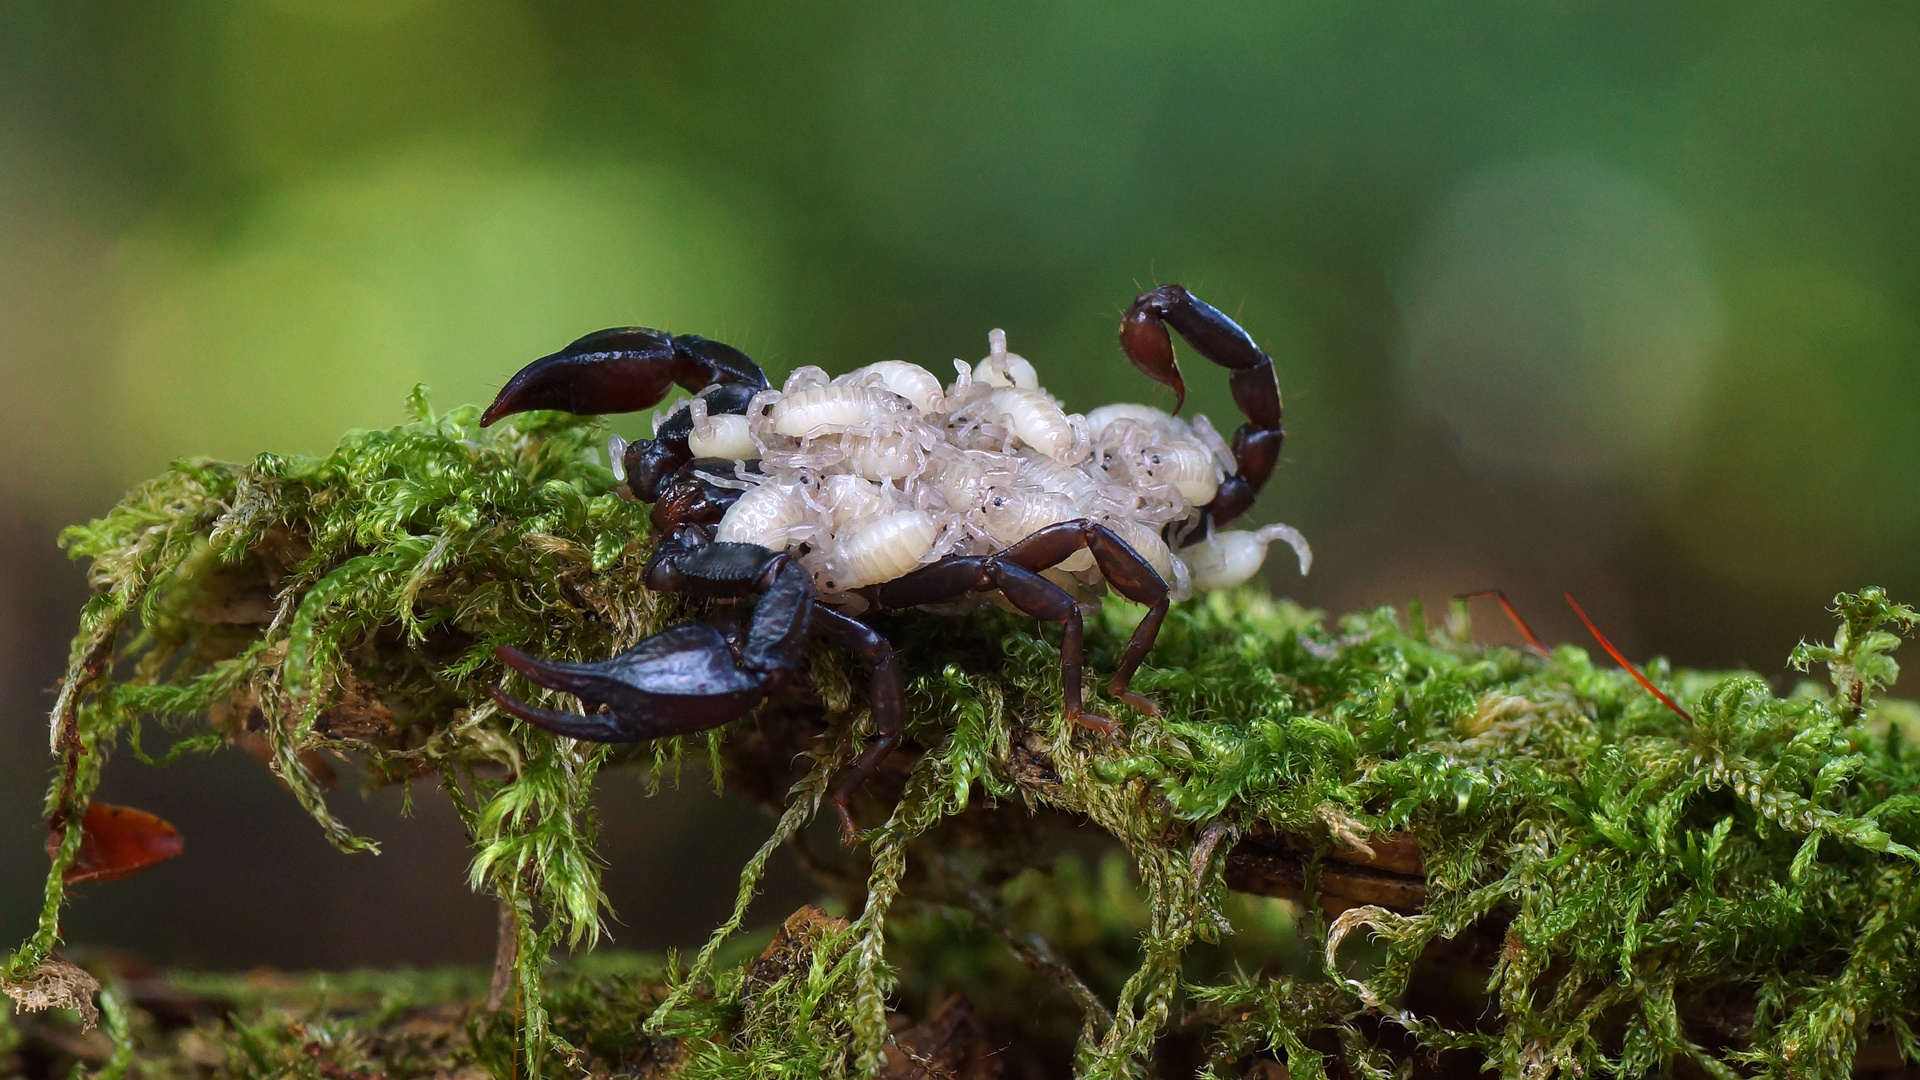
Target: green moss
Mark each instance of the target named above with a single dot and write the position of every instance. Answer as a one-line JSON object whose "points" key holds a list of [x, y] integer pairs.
{"points": [[1646, 881]]}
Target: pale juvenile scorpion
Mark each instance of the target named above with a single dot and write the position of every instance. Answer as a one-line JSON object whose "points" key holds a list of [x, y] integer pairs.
{"points": [[831, 497]]}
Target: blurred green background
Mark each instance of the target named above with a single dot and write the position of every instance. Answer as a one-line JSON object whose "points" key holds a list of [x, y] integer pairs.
{"points": [[1617, 298]]}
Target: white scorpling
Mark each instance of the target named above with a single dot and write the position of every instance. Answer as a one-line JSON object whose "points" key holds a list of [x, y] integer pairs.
{"points": [[881, 471]]}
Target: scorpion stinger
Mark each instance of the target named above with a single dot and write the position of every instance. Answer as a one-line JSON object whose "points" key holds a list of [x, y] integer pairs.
{"points": [[1256, 445]]}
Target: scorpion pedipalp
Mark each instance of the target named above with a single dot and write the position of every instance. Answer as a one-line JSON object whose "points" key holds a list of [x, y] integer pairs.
{"points": [[691, 677], [688, 677]]}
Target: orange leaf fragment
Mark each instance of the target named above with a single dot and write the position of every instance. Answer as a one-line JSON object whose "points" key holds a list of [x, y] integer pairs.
{"points": [[118, 841]]}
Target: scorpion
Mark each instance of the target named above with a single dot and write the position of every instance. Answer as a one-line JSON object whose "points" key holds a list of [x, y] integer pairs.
{"points": [[882, 489]]}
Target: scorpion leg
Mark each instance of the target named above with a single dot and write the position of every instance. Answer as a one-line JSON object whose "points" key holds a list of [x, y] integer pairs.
{"points": [[1125, 569], [1256, 445], [888, 704], [1042, 599], [957, 575]]}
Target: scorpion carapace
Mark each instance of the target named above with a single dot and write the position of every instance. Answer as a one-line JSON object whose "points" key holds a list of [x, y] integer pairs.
{"points": [[882, 488]]}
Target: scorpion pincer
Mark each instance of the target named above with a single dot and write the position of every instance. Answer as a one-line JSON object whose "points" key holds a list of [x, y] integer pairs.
{"points": [[881, 489]]}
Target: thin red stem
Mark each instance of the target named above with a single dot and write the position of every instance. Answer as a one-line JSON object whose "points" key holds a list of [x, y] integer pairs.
{"points": [[1622, 661], [1533, 640]]}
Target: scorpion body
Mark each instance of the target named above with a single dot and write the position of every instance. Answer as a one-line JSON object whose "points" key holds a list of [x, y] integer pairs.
{"points": [[831, 497]]}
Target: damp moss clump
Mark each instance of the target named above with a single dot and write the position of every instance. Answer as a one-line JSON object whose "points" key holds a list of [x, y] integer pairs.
{"points": [[1490, 858]]}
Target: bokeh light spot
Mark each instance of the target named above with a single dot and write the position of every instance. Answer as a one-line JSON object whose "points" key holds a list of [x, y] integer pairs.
{"points": [[1560, 319]]}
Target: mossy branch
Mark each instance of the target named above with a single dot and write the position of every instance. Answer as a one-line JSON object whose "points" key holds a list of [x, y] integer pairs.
{"points": [[1636, 879]]}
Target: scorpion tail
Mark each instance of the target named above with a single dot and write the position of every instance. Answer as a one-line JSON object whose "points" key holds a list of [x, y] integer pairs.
{"points": [[1256, 445]]}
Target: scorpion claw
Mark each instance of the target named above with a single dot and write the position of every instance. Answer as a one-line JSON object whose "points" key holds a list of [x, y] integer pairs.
{"points": [[624, 369], [618, 370], [592, 727], [678, 681]]}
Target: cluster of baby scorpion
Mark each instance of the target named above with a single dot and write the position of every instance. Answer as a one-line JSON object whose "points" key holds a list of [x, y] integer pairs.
{"points": [[871, 475]]}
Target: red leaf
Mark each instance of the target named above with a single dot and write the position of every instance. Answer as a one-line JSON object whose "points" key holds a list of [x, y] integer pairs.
{"points": [[117, 841]]}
